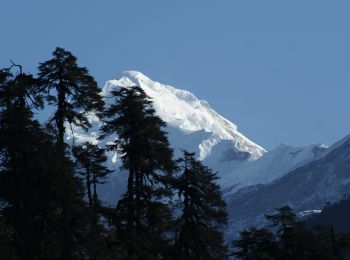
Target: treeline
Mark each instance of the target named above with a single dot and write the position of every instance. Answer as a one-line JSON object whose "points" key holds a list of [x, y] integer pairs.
{"points": [[49, 206], [287, 237]]}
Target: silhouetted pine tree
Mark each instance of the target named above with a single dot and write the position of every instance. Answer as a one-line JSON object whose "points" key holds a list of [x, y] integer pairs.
{"points": [[286, 224], [41, 202], [143, 214], [91, 161], [256, 244], [75, 91], [199, 228]]}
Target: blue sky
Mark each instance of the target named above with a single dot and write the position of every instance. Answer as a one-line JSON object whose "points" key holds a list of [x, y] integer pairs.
{"points": [[280, 70]]}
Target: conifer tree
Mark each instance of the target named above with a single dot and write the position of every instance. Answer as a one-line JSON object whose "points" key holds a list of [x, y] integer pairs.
{"points": [[90, 159], [142, 215], [90, 163], [256, 243], [283, 219], [285, 223], [71, 89], [200, 226], [41, 201]]}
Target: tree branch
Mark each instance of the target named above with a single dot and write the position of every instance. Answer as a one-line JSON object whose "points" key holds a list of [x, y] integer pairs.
{"points": [[16, 65]]}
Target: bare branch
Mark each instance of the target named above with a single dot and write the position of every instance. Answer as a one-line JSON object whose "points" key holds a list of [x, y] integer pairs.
{"points": [[16, 65]]}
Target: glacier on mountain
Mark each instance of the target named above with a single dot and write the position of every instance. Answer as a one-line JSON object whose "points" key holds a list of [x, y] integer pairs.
{"points": [[180, 109]]}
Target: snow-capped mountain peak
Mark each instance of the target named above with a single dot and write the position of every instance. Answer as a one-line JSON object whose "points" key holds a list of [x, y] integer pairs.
{"points": [[182, 110]]}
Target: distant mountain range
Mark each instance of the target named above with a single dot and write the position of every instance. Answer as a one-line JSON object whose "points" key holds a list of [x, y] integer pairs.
{"points": [[253, 180], [310, 186]]}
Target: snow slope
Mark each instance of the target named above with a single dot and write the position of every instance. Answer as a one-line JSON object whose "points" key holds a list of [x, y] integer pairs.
{"points": [[181, 110], [267, 168]]}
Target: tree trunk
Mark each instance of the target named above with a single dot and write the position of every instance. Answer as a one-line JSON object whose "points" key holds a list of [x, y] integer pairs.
{"points": [[130, 206], [138, 180], [60, 115], [88, 186], [186, 216], [95, 191]]}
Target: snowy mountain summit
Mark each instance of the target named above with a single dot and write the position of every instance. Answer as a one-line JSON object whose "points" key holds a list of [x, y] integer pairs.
{"points": [[192, 123]]}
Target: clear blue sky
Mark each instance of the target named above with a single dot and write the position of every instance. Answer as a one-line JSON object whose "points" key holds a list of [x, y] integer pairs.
{"points": [[280, 70]]}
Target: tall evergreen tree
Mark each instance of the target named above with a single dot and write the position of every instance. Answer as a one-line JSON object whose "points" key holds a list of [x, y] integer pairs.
{"points": [[41, 201], [200, 226], [143, 213], [285, 223], [75, 91], [91, 161]]}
